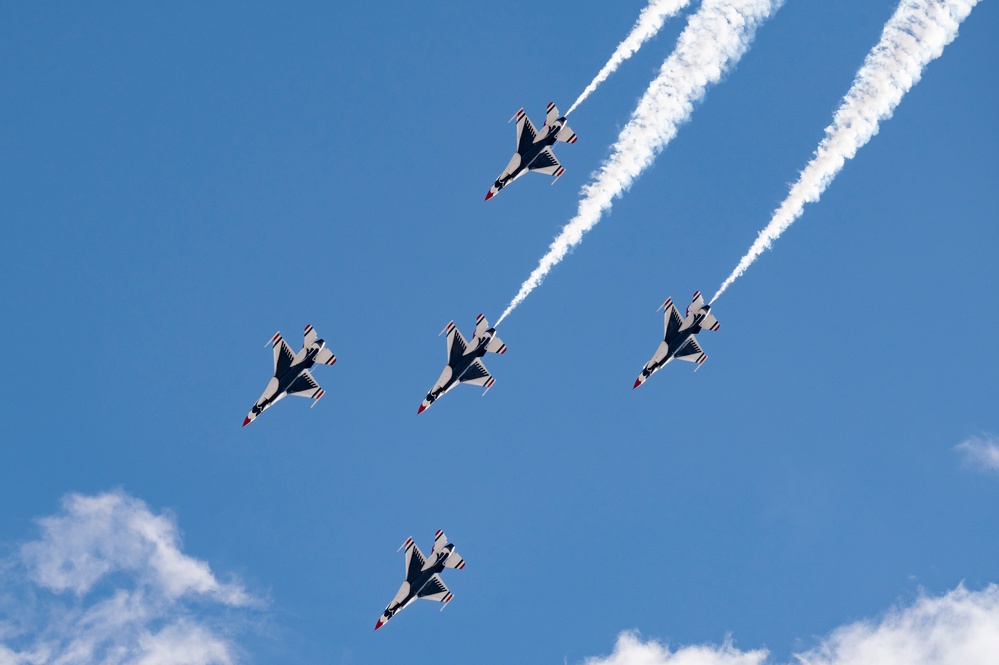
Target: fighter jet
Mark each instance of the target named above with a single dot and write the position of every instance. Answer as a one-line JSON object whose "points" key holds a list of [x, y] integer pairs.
{"points": [[678, 341], [534, 148], [423, 578], [463, 364], [291, 372]]}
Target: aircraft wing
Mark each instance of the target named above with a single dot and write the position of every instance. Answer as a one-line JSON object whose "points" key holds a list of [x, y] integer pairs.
{"points": [[546, 163], [435, 589], [456, 344], [526, 133], [283, 355], [415, 561], [691, 352], [305, 386], [671, 320], [478, 375]]}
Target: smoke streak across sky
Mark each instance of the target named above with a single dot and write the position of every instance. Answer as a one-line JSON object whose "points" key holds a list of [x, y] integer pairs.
{"points": [[715, 38], [915, 35], [650, 22]]}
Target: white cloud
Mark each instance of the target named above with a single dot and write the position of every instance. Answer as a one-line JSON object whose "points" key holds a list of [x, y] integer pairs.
{"points": [[107, 582], [980, 452], [959, 627]]}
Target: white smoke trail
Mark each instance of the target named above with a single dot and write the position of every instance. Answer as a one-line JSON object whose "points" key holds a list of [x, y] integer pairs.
{"points": [[714, 39], [914, 36], [649, 22]]}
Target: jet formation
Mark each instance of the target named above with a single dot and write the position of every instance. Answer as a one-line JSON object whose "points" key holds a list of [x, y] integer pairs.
{"points": [[423, 578], [464, 364], [291, 372], [678, 339], [534, 151]]}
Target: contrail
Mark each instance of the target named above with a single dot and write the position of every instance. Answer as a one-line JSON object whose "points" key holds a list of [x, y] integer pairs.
{"points": [[913, 37], [714, 39], [649, 22]]}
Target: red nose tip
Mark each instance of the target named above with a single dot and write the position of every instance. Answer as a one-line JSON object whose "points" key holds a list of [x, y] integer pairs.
{"points": [[489, 195], [638, 382], [423, 407], [379, 624], [246, 422]]}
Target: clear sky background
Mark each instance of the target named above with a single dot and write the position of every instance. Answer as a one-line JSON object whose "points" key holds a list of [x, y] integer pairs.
{"points": [[182, 180]]}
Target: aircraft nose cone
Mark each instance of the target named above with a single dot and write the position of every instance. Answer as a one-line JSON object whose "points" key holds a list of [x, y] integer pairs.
{"points": [[638, 382], [246, 421], [489, 194], [379, 624], [423, 407]]}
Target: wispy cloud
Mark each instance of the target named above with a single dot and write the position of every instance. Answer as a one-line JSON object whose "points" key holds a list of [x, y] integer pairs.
{"points": [[958, 627], [107, 582], [980, 452]]}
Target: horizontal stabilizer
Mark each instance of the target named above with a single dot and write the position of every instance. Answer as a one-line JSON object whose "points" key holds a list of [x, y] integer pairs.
{"points": [[566, 135], [481, 325], [455, 561], [326, 357], [440, 540], [696, 303], [496, 345], [310, 335], [709, 322]]}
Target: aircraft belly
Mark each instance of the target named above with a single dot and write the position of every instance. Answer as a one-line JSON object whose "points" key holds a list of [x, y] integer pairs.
{"points": [[404, 592], [289, 377], [270, 391], [511, 168]]}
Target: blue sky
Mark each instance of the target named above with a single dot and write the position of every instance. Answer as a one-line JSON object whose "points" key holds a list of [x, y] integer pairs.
{"points": [[183, 181]]}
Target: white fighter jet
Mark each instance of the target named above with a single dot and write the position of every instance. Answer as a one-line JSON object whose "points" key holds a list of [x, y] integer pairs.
{"points": [[423, 578], [678, 340], [291, 372], [463, 360], [534, 151]]}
